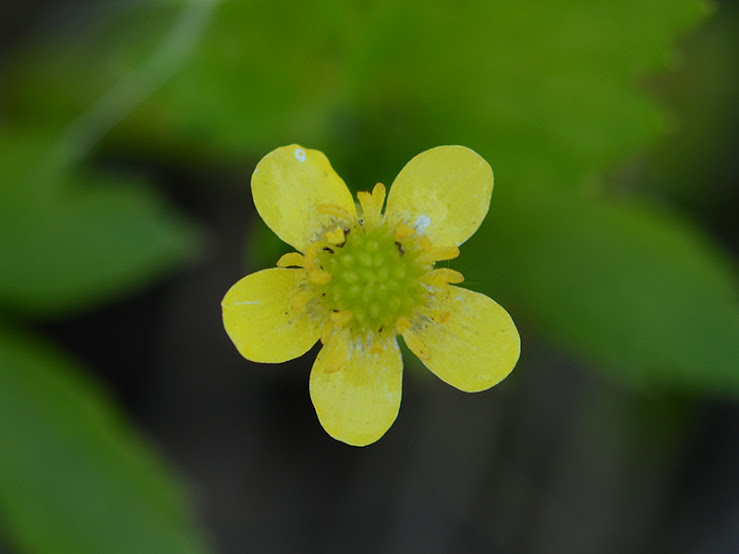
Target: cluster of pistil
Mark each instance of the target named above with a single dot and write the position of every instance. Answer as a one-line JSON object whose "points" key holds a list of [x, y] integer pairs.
{"points": [[370, 276]]}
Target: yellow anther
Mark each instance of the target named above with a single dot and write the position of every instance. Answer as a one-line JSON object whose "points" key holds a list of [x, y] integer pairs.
{"points": [[378, 195], [334, 210], [301, 299], [403, 231], [443, 276], [319, 276], [372, 205], [426, 243], [450, 275], [291, 259], [342, 317], [444, 253], [402, 325], [365, 200], [336, 236]]}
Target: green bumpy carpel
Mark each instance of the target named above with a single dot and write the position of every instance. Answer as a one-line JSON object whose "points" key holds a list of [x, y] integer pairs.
{"points": [[374, 277]]}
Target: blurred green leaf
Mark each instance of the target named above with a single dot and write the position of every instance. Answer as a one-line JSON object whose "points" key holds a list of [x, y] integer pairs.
{"points": [[623, 285], [108, 41], [546, 91], [691, 165], [73, 239], [73, 477], [548, 88]]}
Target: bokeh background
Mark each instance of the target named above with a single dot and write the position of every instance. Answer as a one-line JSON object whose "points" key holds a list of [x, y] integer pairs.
{"points": [[128, 132]]}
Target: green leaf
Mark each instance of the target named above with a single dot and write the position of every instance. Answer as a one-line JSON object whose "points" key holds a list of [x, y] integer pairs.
{"points": [[73, 476], [545, 90], [623, 285], [70, 240], [54, 77], [690, 164]]}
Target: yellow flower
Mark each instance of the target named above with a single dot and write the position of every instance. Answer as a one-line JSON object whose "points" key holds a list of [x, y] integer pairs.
{"points": [[360, 280]]}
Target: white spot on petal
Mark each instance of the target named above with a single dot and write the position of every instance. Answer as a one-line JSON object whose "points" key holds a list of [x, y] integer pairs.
{"points": [[300, 154], [250, 302], [422, 223]]}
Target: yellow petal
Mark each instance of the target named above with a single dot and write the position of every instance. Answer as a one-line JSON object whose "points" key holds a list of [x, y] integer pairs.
{"points": [[260, 320], [356, 393], [443, 192], [472, 349], [289, 184]]}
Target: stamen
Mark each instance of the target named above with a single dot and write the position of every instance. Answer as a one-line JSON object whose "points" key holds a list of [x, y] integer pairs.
{"points": [[378, 195], [403, 231], [426, 244], [319, 276], [291, 259], [334, 210], [444, 253], [442, 277], [342, 317], [372, 205], [336, 236], [301, 299]]}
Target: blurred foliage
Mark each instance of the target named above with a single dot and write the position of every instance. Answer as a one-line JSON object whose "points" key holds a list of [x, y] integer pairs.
{"points": [[694, 166], [545, 91], [73, 477], [73, 238]]}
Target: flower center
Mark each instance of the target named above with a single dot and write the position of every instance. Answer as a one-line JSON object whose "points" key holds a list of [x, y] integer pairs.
{"points": [[374, 277]]}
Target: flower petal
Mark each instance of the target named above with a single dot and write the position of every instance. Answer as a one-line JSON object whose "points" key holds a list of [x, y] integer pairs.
{"points": [[356, 393], [443, 192], [476, 344], [288, 184], [260, 319]]}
